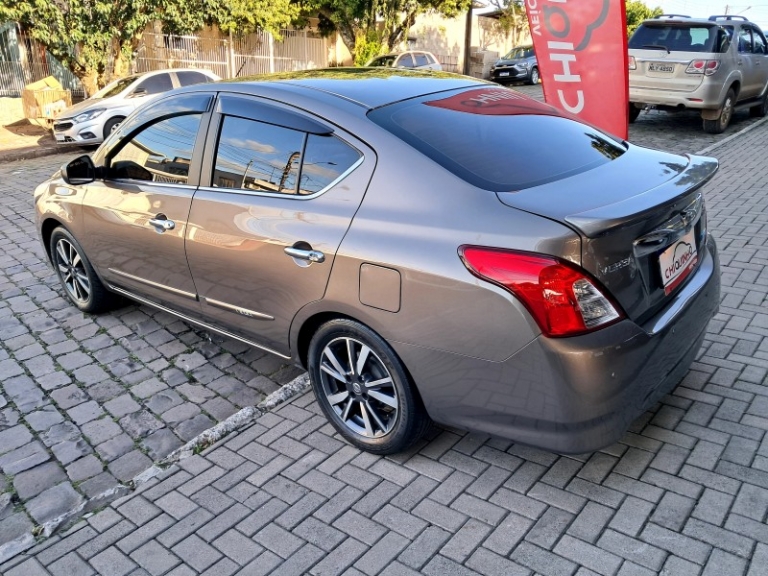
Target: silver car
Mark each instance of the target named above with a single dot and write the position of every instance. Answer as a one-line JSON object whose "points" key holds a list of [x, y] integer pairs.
{"points": [[418, 59], [715, 66], [92, 120], [429, 246]]}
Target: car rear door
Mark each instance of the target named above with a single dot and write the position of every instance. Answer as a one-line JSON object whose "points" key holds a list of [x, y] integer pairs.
{"points": [[760, 59], [135, 219], [278, 192]]}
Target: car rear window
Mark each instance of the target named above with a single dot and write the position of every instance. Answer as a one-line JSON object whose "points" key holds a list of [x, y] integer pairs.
{"points": [[677, 37], [496, 138]]}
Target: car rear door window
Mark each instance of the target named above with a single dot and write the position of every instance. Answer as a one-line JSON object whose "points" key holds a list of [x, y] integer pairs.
{"points": [[155, 84], [257, 156], [261, 157], [187, 78], [162, 152], [421, 59]]}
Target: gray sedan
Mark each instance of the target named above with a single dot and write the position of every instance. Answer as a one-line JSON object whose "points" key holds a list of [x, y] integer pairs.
{"points": [[430, 247]]}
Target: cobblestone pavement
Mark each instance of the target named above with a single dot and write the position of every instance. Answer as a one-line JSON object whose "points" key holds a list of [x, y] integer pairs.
{"points": [[88, 402], [684, 492]]}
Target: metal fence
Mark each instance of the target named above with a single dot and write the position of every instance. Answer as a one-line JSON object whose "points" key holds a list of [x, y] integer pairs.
{"points": [[22, 61], [236, 56]]}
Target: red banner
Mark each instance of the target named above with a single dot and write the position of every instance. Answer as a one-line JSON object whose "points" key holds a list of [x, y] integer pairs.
{"points": [[581, 48]]}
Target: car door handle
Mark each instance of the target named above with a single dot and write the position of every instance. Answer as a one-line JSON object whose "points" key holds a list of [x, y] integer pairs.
{"points": [[162, 224], [309, 255]]}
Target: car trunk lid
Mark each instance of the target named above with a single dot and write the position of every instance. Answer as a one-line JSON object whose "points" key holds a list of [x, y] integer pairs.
{"points": [[636, 215]]}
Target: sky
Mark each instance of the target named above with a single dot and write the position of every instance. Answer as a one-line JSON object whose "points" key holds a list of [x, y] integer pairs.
{"points": [[756, 11]]}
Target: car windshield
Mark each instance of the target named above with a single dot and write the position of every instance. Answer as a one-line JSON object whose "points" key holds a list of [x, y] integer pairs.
{"points": [[497, 139], [675, 37], [386, 61], [114, 88], [519, 52]]}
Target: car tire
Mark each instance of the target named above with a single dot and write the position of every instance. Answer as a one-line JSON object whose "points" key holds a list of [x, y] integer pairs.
{"points": [[534, 76], [345, 357], [78, 278], [634, 112], [111, 125], [761, 110], [719, 124]]}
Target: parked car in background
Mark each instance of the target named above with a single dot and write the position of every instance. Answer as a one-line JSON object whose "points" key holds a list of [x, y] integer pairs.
{"points": [[92, 120], [519, 64], [716, 65], [428, 245], [411, 59]]}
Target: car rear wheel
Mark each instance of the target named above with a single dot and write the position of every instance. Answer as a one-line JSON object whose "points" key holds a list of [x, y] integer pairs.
{"points": [[719, 124], [111, 125], [634, 112], [534, 79], [761, 110], [77, 276], [363, 388]]}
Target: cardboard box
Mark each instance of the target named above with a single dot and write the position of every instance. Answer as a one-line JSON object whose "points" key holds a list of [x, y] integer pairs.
{"points": [[45, 99]]}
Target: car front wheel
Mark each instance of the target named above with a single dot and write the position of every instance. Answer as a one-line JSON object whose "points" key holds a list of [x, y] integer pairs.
{"points": [[534, 79], [77, 276], [761, 110], [363, 388]]}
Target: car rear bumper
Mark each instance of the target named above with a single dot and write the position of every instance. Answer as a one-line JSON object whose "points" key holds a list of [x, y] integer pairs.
{"points": [[572, 395], [706, 96]]}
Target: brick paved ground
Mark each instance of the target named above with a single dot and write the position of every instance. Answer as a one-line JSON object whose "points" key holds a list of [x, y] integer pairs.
{"points": [[87, 402], [684, 492]]}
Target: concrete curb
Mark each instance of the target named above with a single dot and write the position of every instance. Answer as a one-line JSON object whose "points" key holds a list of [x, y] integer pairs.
{"points": [[30, 152], [741, 132]]}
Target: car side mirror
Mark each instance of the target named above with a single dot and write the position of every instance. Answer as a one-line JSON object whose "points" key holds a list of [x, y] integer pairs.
{"points": [[139, 93], [81, 170]]}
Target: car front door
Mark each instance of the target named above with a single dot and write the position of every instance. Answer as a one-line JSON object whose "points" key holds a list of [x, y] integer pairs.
{"points": [[278, 192], [135, 218]]}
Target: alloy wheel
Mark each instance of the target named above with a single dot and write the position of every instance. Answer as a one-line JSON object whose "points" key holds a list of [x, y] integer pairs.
{"points": [[71, 268], [358, 387]]}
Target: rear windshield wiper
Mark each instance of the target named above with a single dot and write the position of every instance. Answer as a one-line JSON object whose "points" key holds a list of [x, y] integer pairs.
{"points": [[657, 47]]}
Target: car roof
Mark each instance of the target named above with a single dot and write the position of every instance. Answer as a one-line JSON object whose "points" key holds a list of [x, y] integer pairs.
{"points": [[367, 87], [679, 19]]}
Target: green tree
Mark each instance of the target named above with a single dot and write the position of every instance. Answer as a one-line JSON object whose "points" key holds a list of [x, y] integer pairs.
{"points": [[371, 27], [638, 11], [88, 35]]}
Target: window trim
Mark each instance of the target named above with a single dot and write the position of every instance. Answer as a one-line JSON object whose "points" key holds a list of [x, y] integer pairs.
{"points": [[211, 146]]}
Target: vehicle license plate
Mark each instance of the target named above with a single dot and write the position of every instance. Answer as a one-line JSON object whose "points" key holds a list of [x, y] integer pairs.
{"points": [[677, 261], [661, 67], [503, 73], [60, 137]]}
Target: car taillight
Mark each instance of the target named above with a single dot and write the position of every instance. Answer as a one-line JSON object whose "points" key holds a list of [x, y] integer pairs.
{"points": [[632, 63], [707, 67], [562, 298]]}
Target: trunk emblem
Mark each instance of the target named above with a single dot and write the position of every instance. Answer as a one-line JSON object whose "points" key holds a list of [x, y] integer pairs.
{"points": [[615, 266]]}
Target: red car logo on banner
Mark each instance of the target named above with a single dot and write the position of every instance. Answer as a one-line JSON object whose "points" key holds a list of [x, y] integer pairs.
{"points": [[581, 46]]}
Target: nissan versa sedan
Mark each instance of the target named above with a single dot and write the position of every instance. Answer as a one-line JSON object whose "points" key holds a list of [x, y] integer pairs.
{"points": [[89, 122], [430, 247]]}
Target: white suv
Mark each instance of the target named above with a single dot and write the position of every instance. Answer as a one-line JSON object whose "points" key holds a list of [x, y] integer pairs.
{"points": [[714, 65]]}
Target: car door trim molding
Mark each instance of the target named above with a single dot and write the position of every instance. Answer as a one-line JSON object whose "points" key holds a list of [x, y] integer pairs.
{"points": [[153, 284], [191, 320], [238, 309]]}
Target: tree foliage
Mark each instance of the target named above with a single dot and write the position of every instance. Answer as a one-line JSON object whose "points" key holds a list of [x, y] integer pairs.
{"points": [[371, 27], [637, 11], [89, 35]]}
